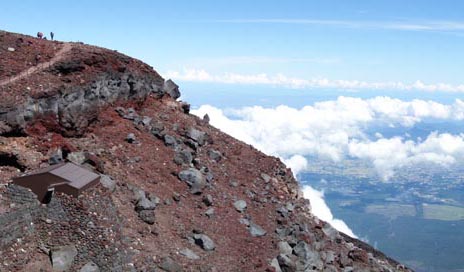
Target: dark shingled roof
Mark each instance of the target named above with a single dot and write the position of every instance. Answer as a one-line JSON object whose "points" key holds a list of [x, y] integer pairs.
{"points": [[77, 176]]}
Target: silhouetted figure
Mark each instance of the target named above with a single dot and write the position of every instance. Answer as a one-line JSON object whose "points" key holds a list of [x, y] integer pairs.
{"points": [[39, 35], [52, 35]]}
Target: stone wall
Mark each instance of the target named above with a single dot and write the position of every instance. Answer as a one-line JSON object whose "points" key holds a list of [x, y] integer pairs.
{"points": [[90, 223], [19, 221]]}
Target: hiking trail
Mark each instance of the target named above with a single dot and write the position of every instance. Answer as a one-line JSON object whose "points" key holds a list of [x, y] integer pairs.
{"points": [[41, 66]]}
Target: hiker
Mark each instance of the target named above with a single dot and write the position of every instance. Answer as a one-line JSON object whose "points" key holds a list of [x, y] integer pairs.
{"points": [[39, 35], [52, 35]]}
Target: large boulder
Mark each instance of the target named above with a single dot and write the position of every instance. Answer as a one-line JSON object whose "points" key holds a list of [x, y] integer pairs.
{"points": [[194, 178], [197, 135], [171, 89], [183, 157]]}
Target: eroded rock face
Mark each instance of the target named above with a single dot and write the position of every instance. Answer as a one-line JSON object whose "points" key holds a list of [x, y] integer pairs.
{"points": [[74, 108]]}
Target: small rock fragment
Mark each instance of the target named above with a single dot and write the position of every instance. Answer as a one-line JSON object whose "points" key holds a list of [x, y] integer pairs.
{"points": [[108, 182], [265, 177], [90, 267], [130, 138], [284, 248], [275, 264], [77, 157], [170, 140], [285, 263], [189, 254], [208, 200], [147, 216], [63, 257], [214, 155], [145, 204], [185, 107], [240, 205], [145, 121], [169, 265], [204, 242], [256, 230], [244, 221], [209, 212], [206, 118], [55, 159]]}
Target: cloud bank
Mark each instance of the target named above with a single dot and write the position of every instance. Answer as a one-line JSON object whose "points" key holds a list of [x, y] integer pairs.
{"points": [[200, 75], [337, 130], [430, 26]]}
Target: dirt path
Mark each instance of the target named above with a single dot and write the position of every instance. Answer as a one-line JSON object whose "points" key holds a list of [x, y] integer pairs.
{"points": [[41, 66]]}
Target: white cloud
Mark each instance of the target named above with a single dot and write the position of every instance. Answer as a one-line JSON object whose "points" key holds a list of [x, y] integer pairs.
{"points": [[297, 163], [431, 26], [234, 60], [337, 130], [200, 75], [320, 209]]}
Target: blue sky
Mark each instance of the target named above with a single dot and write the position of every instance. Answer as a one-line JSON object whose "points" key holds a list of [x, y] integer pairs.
{"points": [[355, 41]]}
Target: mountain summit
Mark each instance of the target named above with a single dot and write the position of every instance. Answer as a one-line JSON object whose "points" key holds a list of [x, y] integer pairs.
{"points": [[175, 194]]}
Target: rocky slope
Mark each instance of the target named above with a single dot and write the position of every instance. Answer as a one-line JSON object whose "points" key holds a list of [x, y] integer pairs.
{"points": [[176, 194]]}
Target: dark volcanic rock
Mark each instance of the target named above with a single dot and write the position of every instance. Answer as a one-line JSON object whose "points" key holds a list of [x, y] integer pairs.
{"points": [[256, 230], [148, 216], [90, 267], [183, 157], [171, 89], [68, 67], [194, 178], [197, 136], [169, 265], [204, 242], [240, 205], [286, 264], [214, 155]]}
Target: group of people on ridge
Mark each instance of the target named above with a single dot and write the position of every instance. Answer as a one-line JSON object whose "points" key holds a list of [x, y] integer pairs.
{"points": [[40, 35]]}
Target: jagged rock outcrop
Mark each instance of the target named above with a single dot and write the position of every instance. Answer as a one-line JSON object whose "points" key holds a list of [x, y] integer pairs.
{"points": [[177, 195]]}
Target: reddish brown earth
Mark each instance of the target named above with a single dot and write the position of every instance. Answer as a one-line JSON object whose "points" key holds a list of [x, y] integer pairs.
{"points": [[117, 239]]}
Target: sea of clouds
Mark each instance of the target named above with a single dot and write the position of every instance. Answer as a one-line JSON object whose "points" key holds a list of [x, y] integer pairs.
{"points": [[337, 129]]}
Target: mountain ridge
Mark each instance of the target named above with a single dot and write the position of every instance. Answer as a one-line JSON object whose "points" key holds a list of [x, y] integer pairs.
{"points": [[176, 194]]}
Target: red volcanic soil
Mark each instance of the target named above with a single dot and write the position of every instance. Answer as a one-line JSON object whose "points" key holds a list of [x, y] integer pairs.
{"points": [[146, 215]]}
